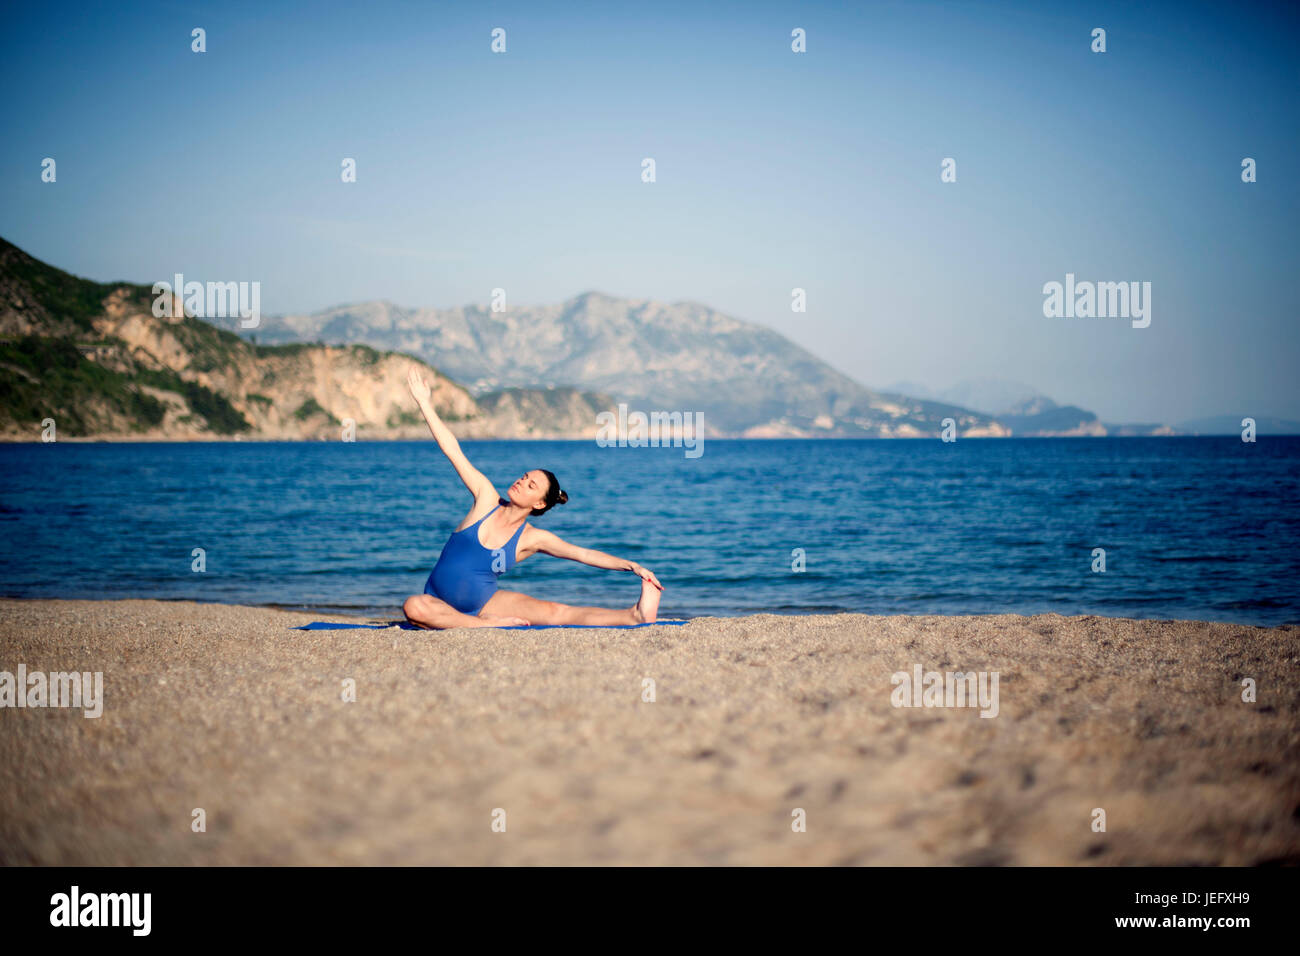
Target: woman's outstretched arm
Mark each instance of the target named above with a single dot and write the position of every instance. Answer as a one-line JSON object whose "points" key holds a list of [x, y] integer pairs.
{"points": [[553, 544], [474, 479]]}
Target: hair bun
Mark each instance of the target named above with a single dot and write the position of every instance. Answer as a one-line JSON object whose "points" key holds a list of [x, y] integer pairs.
{"points": [[562, 498]]}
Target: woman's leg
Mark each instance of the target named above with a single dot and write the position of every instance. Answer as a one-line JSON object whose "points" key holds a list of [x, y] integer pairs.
{"points": [[433, 613], [514, 604]]}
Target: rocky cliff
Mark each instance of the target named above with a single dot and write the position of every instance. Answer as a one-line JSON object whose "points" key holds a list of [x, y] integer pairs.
{"points": [[94, 358]]}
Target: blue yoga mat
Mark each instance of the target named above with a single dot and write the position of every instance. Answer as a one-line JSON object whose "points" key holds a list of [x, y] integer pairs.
{"points": [[408, 626]]}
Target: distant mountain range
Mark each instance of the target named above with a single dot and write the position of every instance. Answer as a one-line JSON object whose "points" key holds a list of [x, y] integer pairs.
{"points": [[746, 380], [93, 357]]}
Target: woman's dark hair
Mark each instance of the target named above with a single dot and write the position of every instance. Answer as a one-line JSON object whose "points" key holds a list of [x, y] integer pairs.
{"points": [[554, 496]]}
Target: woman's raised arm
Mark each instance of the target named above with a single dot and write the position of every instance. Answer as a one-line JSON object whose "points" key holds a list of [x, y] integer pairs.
{"points": [[474, 479]]}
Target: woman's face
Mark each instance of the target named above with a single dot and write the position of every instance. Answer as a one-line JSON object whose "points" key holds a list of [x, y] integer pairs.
{"points": [[529, 490]]}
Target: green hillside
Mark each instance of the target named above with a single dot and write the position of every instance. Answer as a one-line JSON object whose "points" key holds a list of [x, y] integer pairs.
{"points": [[48, 373]]}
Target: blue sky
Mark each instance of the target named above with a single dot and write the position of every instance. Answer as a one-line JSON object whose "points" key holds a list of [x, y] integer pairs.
{"points": [[775, 170]]}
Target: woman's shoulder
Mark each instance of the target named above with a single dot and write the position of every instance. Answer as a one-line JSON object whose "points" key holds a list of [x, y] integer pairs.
{"points": [[532, 537]]}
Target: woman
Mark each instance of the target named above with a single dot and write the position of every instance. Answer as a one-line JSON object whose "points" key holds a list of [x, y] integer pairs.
{"points": [[493, 537]]}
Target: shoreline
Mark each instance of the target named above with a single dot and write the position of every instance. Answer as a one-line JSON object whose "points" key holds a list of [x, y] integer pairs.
{"points": [[344, 614], [223, 708]]}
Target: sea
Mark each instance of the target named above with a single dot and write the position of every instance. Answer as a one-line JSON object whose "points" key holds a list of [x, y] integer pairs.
{"points": [[1199, 528]]}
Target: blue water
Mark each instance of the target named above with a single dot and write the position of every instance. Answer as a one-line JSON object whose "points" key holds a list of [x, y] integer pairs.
{"points": [[1200, 528]]}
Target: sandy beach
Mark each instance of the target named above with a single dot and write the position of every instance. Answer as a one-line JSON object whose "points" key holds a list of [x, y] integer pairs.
{"points": [[227, 709]]}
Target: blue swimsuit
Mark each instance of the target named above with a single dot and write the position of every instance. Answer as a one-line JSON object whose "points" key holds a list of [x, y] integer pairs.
{"points": [[466, 573]]}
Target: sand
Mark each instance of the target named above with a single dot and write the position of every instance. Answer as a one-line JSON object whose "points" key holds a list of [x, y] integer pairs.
{"points": [[226, 709]]}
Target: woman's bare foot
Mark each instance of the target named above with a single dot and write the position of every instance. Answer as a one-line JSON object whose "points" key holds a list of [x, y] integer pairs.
{"points": [[501, 622], [647, 609]]}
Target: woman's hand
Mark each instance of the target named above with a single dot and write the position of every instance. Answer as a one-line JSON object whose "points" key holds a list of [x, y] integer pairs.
{"points": [[644, 574], [420, 389]]}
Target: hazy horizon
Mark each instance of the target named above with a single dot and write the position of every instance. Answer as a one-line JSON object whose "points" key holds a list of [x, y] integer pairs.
{"points": [[775, 170]]}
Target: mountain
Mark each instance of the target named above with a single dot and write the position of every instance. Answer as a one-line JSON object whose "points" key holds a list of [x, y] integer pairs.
{"points": [[745, 379], [987, 395], [94, 358], [1040, 417], [1027, 412], [531, 412]]}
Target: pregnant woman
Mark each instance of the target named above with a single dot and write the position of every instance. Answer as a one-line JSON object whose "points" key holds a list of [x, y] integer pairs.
{"points": [[493, 537]]}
